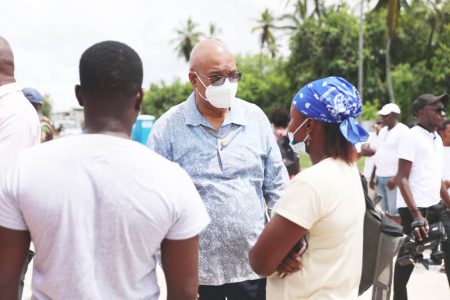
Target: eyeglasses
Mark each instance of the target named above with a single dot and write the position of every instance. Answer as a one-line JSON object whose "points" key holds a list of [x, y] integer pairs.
{"points": [[219, 80], [438, 110]]}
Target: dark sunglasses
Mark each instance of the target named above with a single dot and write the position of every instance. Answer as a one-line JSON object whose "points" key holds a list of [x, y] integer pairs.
{"points": [[438, 110], [219, 80]]}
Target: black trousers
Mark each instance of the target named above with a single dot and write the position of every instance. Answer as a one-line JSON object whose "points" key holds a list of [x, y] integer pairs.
{"points": [[433, 214], [245, 290]]}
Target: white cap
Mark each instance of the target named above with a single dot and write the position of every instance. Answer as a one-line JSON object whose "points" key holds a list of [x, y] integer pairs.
{"points": [[389, 108]]}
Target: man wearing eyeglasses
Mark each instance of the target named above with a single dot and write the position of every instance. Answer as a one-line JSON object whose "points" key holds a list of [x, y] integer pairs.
{"points": [[227, 147], [420, 184]]}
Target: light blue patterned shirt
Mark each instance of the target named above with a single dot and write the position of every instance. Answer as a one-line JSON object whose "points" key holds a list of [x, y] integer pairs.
{"points": [[235, 178]]}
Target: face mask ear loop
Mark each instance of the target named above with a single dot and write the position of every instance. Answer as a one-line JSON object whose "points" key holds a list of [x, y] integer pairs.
{"points": [[307, 139], [201, 81]]}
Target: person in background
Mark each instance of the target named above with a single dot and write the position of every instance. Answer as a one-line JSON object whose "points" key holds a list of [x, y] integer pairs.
{"points": [[419, 178], [444, 132], [325, 202], [280, 120], [227, 147], [19, 122], [48, 131], [98, 206], [367, 149], [386, 159]]}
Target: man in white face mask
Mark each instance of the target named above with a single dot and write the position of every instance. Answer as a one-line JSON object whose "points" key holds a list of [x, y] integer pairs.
{"points": [[227, 147]]}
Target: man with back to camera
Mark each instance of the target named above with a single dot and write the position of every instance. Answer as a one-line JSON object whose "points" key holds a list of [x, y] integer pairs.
{"points": [[48, 131], [386, 158], [104, 205], [227, 147], [19, 122], [420, 185]]}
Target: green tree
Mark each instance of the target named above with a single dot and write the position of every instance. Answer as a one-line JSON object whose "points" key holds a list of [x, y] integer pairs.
{"points": [[213, 31], [266, 26], [320, 51], [160, 97], [264, 82], [297, 17], [187, 37]]}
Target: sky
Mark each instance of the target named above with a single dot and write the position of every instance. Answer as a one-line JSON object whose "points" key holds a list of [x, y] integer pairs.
{"points": [[49, 36]]}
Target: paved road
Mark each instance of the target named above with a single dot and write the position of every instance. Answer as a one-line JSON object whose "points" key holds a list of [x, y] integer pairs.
{"points": [[431, 285]]}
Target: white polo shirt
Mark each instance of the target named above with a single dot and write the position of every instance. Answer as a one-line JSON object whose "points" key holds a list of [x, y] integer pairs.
{"points": [[426, 152], [19, 121], [386, 157]]}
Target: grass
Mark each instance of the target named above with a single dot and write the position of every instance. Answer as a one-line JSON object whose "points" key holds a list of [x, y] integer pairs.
{"points": [[305, 162]]}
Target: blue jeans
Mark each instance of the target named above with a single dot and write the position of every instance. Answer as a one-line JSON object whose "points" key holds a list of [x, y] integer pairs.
{"points": [[389, 201]]}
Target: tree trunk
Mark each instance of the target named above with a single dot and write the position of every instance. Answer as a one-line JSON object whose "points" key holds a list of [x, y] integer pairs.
{"points": [[388, 71]]}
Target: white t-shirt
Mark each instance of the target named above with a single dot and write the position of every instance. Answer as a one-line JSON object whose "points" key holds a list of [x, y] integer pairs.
{"points": [[446, 168], [97, 208], [19, 121], [332, 209], [426, 152], [386, 157]]}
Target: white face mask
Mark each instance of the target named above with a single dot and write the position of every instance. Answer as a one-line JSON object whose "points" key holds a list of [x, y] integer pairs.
{"points": [[220, 96], [300, 146]]}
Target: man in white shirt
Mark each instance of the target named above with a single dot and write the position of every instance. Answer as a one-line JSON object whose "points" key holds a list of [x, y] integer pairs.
{"points": [[99, 206], [420, 184], [19, 122], [386, 158]]}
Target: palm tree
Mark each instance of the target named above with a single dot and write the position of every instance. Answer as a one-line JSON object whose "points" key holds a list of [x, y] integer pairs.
{"points": [[266, 25], [297, 17], [393, 8], [188, 36], [213, 31]]}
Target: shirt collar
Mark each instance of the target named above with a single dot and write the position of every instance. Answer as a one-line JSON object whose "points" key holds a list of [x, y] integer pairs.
{"points": [[192, 115], [9, 88], [431, 135]]}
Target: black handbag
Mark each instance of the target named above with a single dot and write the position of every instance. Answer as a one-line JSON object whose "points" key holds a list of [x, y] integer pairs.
{"points": [[382, 241]]}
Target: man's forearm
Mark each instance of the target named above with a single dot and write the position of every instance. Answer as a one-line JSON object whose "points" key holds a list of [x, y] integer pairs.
{"points": [[408, 197]]}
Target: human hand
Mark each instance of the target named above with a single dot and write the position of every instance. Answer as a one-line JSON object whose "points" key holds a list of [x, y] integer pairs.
{"points": [[419, 227], [293, 261], [391, 183], [372, 183]]}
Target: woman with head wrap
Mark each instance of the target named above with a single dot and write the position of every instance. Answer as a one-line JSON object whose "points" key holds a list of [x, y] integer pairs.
{"points": [[323, 204]]}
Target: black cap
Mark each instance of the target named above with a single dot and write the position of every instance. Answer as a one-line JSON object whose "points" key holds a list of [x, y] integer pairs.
{"points": [[427, 99]]}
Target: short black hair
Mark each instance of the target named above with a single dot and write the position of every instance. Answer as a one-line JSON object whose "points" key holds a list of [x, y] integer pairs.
{"points": [[336, 146], [280, 117], [111, 68]]}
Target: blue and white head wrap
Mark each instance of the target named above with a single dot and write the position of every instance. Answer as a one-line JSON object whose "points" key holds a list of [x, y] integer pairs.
{"points": [[333, 100]]}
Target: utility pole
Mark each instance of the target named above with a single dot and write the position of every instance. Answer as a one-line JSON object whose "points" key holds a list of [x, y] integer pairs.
{"points": [[360, 51]]}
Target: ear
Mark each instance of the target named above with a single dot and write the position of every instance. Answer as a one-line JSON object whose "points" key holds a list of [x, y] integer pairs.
{"points": [[78, 95], [192, 79], [139, 100], [310, 125]]}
